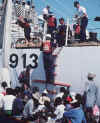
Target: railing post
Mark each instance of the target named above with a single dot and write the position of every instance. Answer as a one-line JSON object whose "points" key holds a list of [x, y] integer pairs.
{"points": [[67, 29], [7, 33], [44, 31]]}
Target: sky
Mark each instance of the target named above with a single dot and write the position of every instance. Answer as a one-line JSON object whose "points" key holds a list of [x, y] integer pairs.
{"points": [[65, 8]]}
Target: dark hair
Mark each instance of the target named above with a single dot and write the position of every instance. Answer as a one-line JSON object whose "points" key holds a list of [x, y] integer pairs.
{"points": [[9, 91], [61, 19], [25, 19], [48, 6], [76, 105], [18, 91], [47, 103], [35, 89], [4, 84], [62, 89], [44, 94], [76, 3], [23, 3], [58, 101], [79, 98], [90, 78], [33, 6]]}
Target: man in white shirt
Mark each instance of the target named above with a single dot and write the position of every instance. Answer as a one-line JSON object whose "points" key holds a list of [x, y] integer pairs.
{"points": [[82, 15], [8, 100], [46, 12]]}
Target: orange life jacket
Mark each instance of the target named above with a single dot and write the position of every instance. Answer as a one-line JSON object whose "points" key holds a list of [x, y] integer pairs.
{"points": [[47, 47], [77, 31], [51, 22]]}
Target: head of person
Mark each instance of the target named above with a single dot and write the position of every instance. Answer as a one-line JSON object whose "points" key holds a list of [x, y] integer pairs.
{"points": [[35, 89], [47, 103], [75, 103], [48, 37], [62, 89], [18, 92], [48, 7], [76, 4], [58, 101], [61, 21], [23, 3], [44, 93], [91, 76], [26, 20], [25, 86], [33, 6], [9, 91], [4, 84]]}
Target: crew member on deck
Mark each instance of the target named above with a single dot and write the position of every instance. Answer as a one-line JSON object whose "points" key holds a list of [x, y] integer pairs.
{"points": [[48, 59], [46, 12], [61, 33], [82, 16]]}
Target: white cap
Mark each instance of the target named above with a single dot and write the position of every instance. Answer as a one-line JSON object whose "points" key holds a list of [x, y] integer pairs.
{"points": [[91, 75], [73, 95], [45, 91], [48, 35]]}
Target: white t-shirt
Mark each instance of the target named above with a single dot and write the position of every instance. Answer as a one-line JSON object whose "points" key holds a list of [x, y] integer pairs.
{"points": [[45, 11], [59, 111], [8, 102], [1, 100], [59, 95], [27, 7], [81, 11]]}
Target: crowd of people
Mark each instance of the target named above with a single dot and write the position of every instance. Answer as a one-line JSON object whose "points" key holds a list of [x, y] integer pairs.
{"points": [[29, 104]]}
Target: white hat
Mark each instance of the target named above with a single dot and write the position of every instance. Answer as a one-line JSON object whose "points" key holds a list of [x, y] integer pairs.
{"points": [[43, 99], [59, 95], [48, 35], [36, 95], [91, 75], [45, 91], [73, 96]]}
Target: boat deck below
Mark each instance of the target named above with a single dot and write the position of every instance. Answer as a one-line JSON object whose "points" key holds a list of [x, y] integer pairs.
{"points": [[73, 44], [87, 43]]}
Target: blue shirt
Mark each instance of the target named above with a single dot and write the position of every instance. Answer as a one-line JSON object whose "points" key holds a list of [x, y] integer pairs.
{"points": [[75, 115]]}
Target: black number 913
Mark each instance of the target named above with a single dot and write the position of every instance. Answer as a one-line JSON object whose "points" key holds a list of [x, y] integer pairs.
{"points": [[14, 60]]}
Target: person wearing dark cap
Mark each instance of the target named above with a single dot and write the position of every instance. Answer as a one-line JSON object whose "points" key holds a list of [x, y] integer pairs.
{"points": [[51, 24], [83, 17]]}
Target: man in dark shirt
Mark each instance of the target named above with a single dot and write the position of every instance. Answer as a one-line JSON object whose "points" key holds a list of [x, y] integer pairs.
{"points": [[48, 59], [24, 76], [61, 35]]}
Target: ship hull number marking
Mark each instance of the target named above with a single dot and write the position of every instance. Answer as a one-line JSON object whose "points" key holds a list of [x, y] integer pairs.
{"points": [[32, 57]]}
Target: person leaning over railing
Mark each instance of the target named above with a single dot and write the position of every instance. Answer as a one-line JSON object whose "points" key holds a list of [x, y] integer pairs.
{"points": [[83, 18]]}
